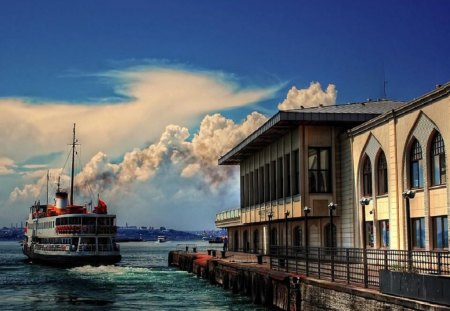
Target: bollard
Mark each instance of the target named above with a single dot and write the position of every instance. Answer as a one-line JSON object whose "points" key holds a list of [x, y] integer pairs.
{"points": [[194, 249], [187, 248], [214, 253], [223, 254]]}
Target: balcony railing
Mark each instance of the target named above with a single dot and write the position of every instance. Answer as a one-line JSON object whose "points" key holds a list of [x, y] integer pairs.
{"points": [[228, 215], [357, 266]]}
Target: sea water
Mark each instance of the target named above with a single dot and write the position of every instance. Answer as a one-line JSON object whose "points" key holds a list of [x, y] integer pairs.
{"points": [[141, 281]]}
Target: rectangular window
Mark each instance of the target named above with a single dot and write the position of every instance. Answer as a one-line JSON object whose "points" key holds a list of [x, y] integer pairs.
{"points": [[266, 183], [296, 166], [369, 234], [261, 185], [287, 175], [319, 170], [440, 232], [252, 191], [247, 190], [280, 178], [418, 234], [242, 192], [256, 186], [384, 233], [273, 181]]}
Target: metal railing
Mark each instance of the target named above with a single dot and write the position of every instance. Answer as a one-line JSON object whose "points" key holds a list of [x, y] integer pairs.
{"points": [[356, 265]]}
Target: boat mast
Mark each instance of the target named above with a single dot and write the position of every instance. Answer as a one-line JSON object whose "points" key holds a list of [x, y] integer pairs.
{"points": [[73, 165], [47, 184]]}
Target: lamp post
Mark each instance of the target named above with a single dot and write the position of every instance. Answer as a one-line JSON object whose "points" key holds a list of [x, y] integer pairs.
{"points": [[407, 195], [364, 202], [306, 210], [286, 214], [270, 215], [332, 206]]}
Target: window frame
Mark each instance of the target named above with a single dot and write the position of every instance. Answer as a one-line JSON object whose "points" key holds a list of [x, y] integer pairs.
{"points": [[384, 223], [416, 162], [382, 175], [444, 232], [437, 154], [325, 183], [367, 177], [415, 243]]}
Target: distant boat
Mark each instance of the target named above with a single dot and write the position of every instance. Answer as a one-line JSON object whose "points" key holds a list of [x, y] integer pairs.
{"points": [[161, 239], [67, 234], [217, 240]]}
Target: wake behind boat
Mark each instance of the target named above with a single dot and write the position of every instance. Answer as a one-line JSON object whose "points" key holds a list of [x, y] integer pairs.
{"points": [[67, 234]]}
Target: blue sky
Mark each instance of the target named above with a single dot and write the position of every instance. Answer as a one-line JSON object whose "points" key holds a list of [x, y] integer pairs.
{"points": [[91, 53]]}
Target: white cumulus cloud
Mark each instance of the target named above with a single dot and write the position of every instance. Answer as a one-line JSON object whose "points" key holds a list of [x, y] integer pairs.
{"points": [[310, 97]]}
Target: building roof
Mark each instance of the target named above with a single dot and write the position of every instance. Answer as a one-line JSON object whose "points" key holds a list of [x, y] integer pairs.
{"points": [[441, 91], [347, 115]]}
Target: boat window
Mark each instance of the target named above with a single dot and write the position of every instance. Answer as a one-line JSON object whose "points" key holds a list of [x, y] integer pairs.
{"points": [[75, 220]]}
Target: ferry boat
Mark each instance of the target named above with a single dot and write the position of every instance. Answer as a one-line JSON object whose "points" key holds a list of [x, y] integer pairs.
{"points": [[161, 239], [68, 234]]}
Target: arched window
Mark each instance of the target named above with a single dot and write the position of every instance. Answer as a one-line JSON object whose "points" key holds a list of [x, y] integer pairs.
{"points": [[367, 177], [437, 158], [298, 236], [415, 165], [382, 178], [274, 237], [255, 241]]}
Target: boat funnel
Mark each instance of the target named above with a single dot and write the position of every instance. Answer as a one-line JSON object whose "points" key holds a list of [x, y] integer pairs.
{"points": [[61, 199]]}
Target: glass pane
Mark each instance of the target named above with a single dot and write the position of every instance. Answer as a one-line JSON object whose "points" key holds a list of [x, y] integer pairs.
{"points": [[438, 232], [369, 230], [416, 232], [324, 181], [313, 181], [312, 159], [445, 231], [420, 174], [414, 174], [324, 163], [422, 232], [436, 171]]}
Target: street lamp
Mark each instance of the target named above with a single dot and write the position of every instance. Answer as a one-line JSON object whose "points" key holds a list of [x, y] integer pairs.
{"points": [[407, 195], [364, 202], [306, 210], [270, 215], [286, 214], [332, 206]]}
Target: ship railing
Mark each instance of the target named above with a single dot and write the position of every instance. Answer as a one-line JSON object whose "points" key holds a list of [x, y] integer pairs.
{"points": [[86, 229], [105, 247], [86, 247], [52, 247]]}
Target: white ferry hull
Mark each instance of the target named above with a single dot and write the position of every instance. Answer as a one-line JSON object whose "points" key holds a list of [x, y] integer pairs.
{"points": [[72, 259]]}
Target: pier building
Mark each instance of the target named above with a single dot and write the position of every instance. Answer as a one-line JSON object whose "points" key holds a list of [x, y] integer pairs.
{"points": [[353, 175]]}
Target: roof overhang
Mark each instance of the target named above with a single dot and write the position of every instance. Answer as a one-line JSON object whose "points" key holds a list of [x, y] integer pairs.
{"points": [[283, 122]]}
